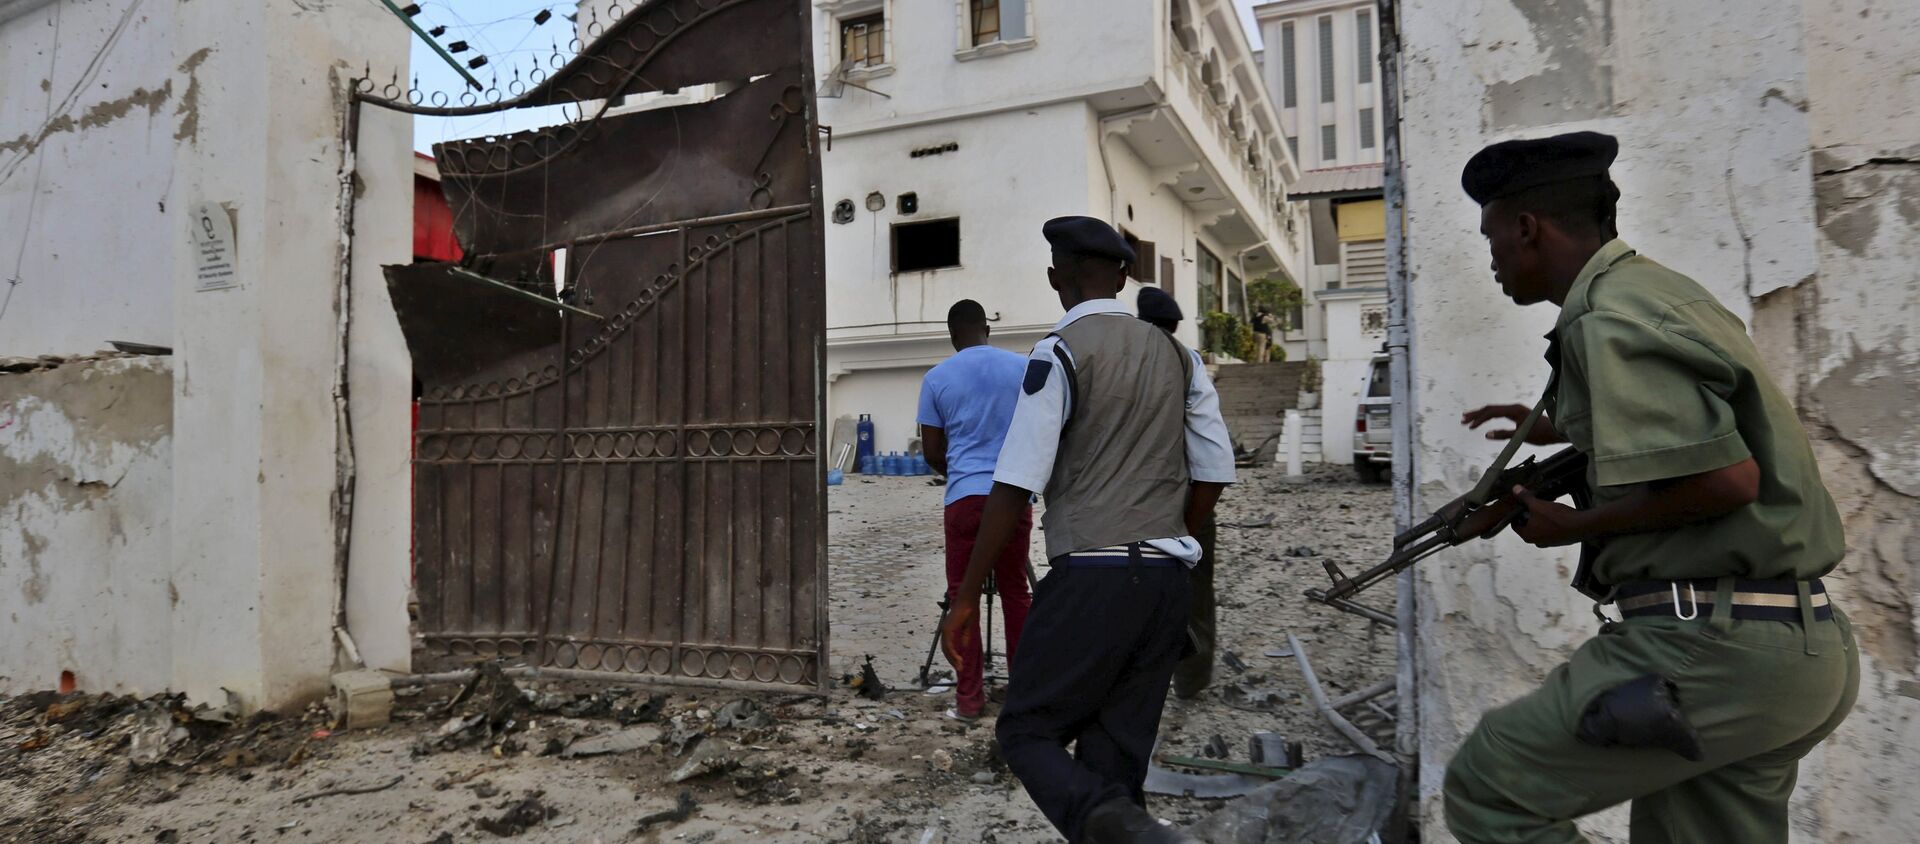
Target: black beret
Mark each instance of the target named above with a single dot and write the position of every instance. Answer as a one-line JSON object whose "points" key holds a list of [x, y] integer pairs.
{"points": [[1086, 236], [1157, 305], [1513, 166]]}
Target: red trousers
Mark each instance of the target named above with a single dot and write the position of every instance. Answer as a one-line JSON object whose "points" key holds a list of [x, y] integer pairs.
{"points": [[1010, 578]]}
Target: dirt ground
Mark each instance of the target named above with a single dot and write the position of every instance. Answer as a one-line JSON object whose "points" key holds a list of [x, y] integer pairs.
{"points": [[772, 768]]}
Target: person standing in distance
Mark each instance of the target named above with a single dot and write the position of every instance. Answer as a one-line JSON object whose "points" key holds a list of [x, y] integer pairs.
{"points": [[1709, 532], [966, 403], [1123, 435], [1194, 673]]}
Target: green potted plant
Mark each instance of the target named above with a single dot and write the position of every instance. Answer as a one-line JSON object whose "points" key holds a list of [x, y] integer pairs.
{"points": [[1227, 334], [1309, 398]]}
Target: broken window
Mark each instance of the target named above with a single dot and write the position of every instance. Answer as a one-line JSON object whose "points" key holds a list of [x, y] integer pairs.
{"points": [[863, 40], [932, 245]]}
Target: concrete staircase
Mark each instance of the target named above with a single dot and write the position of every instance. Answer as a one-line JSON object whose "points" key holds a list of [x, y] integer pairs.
{"points": [[1254, 398]]}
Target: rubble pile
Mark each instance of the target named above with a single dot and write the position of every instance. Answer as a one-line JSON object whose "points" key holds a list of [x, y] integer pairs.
{"points": [[68, 761]]}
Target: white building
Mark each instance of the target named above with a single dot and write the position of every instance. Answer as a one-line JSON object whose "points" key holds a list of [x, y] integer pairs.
{"points": [[958, 128], [1322, 67]]}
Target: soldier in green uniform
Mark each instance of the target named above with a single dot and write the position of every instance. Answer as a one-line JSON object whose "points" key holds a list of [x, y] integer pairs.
{"points": [[1709, 532]]}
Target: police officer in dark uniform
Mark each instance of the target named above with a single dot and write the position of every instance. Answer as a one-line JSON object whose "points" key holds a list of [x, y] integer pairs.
{"points": [[1122, 433], [1195, 672], [1709, 532]]}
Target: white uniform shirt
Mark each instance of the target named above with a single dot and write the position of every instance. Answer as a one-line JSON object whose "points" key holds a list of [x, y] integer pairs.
{"points": [[1033, 438]]}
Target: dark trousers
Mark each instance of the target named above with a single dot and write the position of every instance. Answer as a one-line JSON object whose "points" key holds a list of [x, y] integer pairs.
{"points": [[1096, 656], [1195, 672]]}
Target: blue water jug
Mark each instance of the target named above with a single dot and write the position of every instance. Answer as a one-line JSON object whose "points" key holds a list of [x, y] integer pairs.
{"points": [[834, 478], [863, 445]]}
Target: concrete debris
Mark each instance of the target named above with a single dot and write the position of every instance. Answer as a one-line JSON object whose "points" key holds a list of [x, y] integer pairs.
{"points": [[1199, 786], [520, 816], [742, 714], [624, 741], [710, 757], [683, 809], [1337, 800]]}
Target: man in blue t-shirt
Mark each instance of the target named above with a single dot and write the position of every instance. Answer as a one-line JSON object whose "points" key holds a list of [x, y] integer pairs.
{"points": [[966, 404]]}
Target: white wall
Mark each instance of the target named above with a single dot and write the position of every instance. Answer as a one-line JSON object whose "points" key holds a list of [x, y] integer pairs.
{"points": [[251, 122], [1003, 257], [1771, 218], [93, 141], [85, 477], [1079, 47]]}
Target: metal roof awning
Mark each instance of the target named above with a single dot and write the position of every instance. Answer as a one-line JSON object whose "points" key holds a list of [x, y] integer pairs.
{"points": [[1339, 182]]}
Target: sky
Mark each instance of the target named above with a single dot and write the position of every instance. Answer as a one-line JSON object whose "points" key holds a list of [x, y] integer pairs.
{"points": [[505, 32]]}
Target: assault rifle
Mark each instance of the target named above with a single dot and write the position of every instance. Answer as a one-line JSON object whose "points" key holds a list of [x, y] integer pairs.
{"points": [[1461, 521]]}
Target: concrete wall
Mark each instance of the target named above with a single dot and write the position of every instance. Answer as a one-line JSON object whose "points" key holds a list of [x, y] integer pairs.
{"points": [[1748, 131], [158, 108], [85, 479], [94, 84], [1344, 372]]}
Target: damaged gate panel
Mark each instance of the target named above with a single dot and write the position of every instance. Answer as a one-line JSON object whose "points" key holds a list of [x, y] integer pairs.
{"points": [[631, 171], [630, 482]]}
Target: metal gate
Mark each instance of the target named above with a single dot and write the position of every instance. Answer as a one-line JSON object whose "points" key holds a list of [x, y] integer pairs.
{"points": [[623, 476]]}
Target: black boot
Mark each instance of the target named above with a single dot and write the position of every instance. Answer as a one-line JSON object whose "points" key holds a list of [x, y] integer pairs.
{"points": [[1119, 821]]}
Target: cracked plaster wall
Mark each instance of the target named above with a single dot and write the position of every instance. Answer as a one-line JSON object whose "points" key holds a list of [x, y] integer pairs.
{"points": [[1768, 150], [116, 118], [85, 475], [95, 83]]}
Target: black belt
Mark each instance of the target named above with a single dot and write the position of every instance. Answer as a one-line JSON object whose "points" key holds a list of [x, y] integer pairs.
{"points": [[1753, 600]]}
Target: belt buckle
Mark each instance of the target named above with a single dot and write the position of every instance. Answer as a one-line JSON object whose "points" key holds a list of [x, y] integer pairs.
{"points": [[1693, 602]]}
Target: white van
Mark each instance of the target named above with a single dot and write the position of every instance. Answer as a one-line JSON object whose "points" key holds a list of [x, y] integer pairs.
{"points": [[1373, 425]]}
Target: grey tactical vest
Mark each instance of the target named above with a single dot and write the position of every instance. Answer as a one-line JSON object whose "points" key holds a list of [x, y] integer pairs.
{"points": [[1120, 474]]}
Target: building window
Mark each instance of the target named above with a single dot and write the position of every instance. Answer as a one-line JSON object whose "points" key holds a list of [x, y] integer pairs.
{"points": [[1329, 143], [1363, 26], [1293, 146], [1326, 59], [1296, 318], [1209, 281], [1236, 295], [983, 16], [932, 245], [863, 40], [1143, 264], [1366, 128], [1289, 73]]}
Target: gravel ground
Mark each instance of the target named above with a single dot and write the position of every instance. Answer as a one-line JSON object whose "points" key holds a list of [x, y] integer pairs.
{"points": [[839, 769]]}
